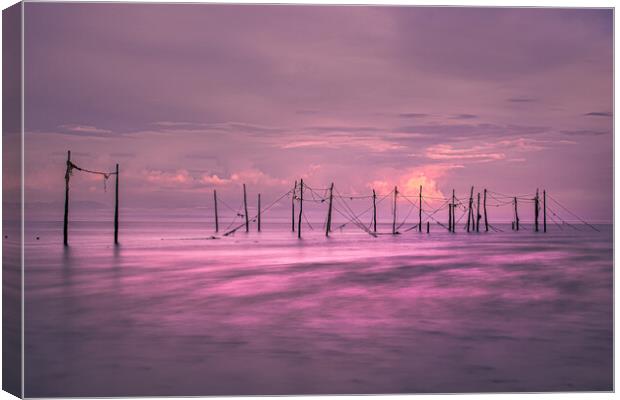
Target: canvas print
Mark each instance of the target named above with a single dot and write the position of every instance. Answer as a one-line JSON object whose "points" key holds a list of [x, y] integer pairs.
{"points": [[228, 199]]}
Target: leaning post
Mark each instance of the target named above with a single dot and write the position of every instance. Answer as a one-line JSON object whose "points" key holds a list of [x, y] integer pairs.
{"points": [[328, 228], [301, 207], [293, 207], [469, 209], [536, 210], [486, 221], [217, 223], [245, 208], [374, 211], [544, 211], [116, 209], [478, 216], [420, 212], [516, 216], [394, 211], [65, 230], [258, 218]]}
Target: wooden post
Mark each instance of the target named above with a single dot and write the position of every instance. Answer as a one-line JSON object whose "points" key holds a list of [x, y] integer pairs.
{"points": [[545, 211], [374, 211], [328, 228], [258, 212], [478, 216], [536, 208], [394, 211], [116, 209], [293, 207], [469, 209], [245, 207], [217, 222], [428, 227], [516, 216], [420, 213], [453, 211], [486, 221], [301, 207], [65, 230], [449, 217]]}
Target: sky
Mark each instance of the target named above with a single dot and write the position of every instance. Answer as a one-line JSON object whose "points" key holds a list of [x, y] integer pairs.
{"points": [[188, 98]]}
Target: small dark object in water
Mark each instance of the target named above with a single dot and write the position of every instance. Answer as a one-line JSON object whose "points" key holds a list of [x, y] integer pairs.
{"points": [[6, 236], [37, 238]]}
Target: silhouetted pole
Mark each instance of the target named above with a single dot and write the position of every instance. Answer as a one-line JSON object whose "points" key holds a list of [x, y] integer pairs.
{"points": [[420, 217], [217, 222], [374, 210], [258, 212], [449, 217], [328, 228], [116, 209], [453, 212], [516, 216], [293, 207], [428, 227], [469, 209], [486, 221], [65, 230], [544, 211], [536, 208], [301, 207], [478, 216], [394, 211], [245, 207]]}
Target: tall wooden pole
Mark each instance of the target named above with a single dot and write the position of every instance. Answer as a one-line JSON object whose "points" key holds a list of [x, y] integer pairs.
{"points": [[116, 209], [258, 212], [544, 211], [374, 211], [293, 207], [449, 217], [516, 216], [328, 228], [420, 213], [245, 208], [486, 221], [65, 230], [469, 209], [453, 212], [301, 207], [217, 222], [536, 208], [478, 216], [394, 211]]}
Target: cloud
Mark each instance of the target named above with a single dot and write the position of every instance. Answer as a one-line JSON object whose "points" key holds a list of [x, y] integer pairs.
{"points": [[340, 141], [521, 100], [475, 153], [463, 131], [413, 115], [184, 179], [179, 177], [584, 132], [409, 181], [84, 129], [598, 114], [464, 116]]}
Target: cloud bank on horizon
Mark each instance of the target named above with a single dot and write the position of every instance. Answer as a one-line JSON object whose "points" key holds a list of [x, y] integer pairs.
{"points": [[190, 97]]}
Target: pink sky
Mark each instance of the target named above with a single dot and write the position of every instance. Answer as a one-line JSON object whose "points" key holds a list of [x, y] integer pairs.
{"points": [[188, 98]]}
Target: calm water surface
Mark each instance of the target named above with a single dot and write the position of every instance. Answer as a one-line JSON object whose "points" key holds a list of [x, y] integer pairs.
{"points": [[168, 312]]}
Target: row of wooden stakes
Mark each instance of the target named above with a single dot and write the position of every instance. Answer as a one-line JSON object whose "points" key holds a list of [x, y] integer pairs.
{"points": [[473, 213]]}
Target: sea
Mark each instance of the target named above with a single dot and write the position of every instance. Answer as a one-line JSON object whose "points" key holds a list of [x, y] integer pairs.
{"points": [[177, 310]]}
